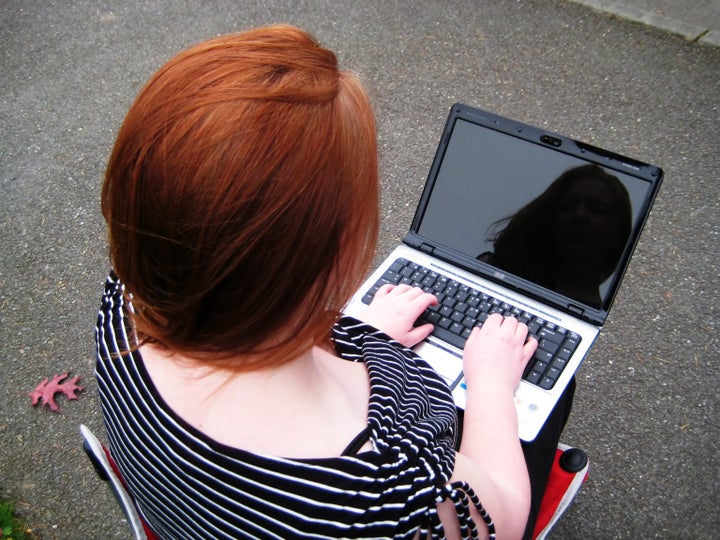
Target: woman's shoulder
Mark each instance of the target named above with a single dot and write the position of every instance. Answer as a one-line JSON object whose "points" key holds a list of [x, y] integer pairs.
{"points": [[113, 331], [115, 304]]}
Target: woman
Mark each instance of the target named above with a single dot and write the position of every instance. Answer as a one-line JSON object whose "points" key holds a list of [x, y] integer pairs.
{"points": [[242, 204]]}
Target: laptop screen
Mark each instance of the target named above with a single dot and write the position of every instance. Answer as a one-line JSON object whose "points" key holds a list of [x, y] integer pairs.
{"points": [[531, 210]]}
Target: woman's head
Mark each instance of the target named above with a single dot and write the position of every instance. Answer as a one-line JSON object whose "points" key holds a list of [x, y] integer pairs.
{"points": [[241, 196]]}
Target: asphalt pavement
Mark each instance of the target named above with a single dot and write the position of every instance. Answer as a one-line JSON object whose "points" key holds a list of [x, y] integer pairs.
{"points": [[629, 76]]}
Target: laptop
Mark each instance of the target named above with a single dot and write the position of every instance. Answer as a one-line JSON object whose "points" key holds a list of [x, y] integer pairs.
{"points": [[517, 220]]}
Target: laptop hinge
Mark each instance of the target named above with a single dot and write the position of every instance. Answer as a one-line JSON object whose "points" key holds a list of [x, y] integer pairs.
{"points": [[427, 248], [575, 310]]}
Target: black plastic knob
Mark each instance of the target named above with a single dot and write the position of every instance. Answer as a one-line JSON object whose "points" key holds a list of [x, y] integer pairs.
{"points": [[573, 460]]}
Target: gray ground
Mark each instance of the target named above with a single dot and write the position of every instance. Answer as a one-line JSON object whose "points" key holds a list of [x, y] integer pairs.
{"points": [[646, 407]]}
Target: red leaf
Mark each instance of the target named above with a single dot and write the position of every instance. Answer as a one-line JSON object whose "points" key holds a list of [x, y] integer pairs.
{"points": [[45, 391]]}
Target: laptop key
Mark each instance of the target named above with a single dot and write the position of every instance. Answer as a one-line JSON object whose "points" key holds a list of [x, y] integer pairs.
{"points": [[549, 346], [533, 327], [550, 335], [553, 373], [397, 266], [433, 317], [457, 328], [539, 365], [559, 363], [429, 280], [449, 337], [449, 301], [571, 344], [543, 356]]}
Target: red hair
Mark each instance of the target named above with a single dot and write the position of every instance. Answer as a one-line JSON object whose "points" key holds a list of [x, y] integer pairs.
{"points": [[241, 197]]}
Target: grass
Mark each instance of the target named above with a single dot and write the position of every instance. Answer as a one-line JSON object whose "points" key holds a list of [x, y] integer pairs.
{"points": [[11, 526]]}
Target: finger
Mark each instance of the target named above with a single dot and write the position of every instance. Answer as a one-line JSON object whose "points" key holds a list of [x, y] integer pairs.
{"points": [[529, 348], [521, 331], [423, 301], [493, 320], [417, 292], [419, 333], [472, 338], [413, 292], [504, 326], [401, 289], [385, 290]]}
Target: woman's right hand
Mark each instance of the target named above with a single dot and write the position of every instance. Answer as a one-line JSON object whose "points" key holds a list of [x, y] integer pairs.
{"points": [[396, 308], [497, 353]]}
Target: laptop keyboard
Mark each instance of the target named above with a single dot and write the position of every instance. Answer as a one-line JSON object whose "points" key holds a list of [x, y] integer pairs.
{"points": [[460, 308]]}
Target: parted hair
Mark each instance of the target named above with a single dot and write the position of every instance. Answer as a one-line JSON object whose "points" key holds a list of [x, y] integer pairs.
{"points": [[241, 198]]}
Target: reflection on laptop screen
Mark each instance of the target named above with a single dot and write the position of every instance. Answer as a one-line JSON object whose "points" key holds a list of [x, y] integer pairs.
{"points": [[532, 211]]}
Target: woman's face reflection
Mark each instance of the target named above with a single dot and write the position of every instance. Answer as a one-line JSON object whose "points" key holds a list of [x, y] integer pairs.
{"points": [[571, 237], [585, 218]]}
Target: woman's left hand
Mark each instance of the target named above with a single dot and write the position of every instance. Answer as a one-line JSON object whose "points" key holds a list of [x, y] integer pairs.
{"points": [[394, 310]]}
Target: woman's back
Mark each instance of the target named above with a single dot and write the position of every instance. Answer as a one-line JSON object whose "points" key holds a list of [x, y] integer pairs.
{"points": [[311, 407], [189, 485]]}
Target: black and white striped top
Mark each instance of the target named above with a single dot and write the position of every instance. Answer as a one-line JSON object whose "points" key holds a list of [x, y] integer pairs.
{"points": [[187, 485]]}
